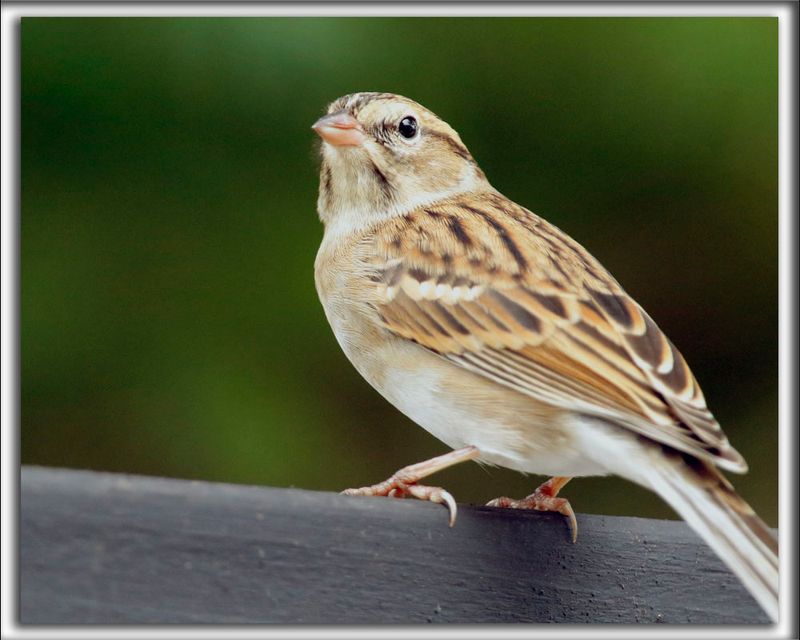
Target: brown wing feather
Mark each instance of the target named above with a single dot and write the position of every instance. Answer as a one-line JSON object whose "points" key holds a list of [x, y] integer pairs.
{"points": [[497, 290]]}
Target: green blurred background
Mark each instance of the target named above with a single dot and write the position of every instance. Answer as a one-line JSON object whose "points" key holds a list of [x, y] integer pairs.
{"points": [[169, 178]]}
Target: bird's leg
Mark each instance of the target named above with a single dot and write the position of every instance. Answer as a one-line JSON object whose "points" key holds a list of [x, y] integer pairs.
{"points": [[544, 499], [404, 481]]}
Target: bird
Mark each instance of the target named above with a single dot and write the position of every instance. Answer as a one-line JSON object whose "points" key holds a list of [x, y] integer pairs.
{"points": [[506, 339]]}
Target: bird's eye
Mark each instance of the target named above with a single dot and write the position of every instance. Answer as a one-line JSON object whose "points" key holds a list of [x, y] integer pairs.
{"points": [[408, 127]]}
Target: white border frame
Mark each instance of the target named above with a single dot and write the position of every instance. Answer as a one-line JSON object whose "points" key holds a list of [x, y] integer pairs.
{"points": [[9, 335]]}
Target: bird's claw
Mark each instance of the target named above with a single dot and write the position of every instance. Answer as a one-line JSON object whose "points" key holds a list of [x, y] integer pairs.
{"points": [[437, 495], [395, 488], [541, 502]]}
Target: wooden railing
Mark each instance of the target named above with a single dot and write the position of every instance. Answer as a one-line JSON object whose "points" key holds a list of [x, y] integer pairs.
{"points": [[117, 549]]}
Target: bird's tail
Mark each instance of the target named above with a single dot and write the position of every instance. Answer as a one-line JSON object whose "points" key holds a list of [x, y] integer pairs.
{"points": [[705, 499]]}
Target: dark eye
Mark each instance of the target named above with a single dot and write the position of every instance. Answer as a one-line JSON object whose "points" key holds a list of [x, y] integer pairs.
{"points": [[408, 127]]}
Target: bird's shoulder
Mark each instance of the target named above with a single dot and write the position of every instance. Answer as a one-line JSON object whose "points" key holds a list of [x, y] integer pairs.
{"points": [[492, 240]]}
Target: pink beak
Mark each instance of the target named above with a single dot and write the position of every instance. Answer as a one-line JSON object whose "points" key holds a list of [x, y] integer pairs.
{"points": [[339, 129]]}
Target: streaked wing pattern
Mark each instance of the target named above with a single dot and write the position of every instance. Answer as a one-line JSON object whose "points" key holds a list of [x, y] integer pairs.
{"points": [[542, 317]]}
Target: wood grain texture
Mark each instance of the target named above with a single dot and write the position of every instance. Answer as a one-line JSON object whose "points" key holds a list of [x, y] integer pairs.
{"points": [[115, 549]]}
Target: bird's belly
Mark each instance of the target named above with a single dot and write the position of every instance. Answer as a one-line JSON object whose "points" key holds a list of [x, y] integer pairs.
{"points": [[461, 408], [509, 429]]}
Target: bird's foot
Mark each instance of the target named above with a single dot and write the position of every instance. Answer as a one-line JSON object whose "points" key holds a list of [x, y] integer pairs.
{"points": [[404, 482], [396, 488], [544, 499]]}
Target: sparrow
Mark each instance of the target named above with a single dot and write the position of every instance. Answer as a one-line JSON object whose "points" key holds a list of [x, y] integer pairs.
{"points": [[505, 339]]}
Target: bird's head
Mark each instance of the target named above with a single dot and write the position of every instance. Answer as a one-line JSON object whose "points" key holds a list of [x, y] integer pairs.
{"points": [[384, 155]]}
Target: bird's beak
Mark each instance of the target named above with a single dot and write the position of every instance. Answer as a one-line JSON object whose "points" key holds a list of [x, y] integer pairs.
{"points": [[340, 129]]}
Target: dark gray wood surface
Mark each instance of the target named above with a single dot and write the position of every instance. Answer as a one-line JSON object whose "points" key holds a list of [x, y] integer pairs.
{"points": [[115, 549]]}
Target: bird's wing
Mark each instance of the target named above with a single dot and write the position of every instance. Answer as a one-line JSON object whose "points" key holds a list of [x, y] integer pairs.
{"points": [[497, 290]]}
